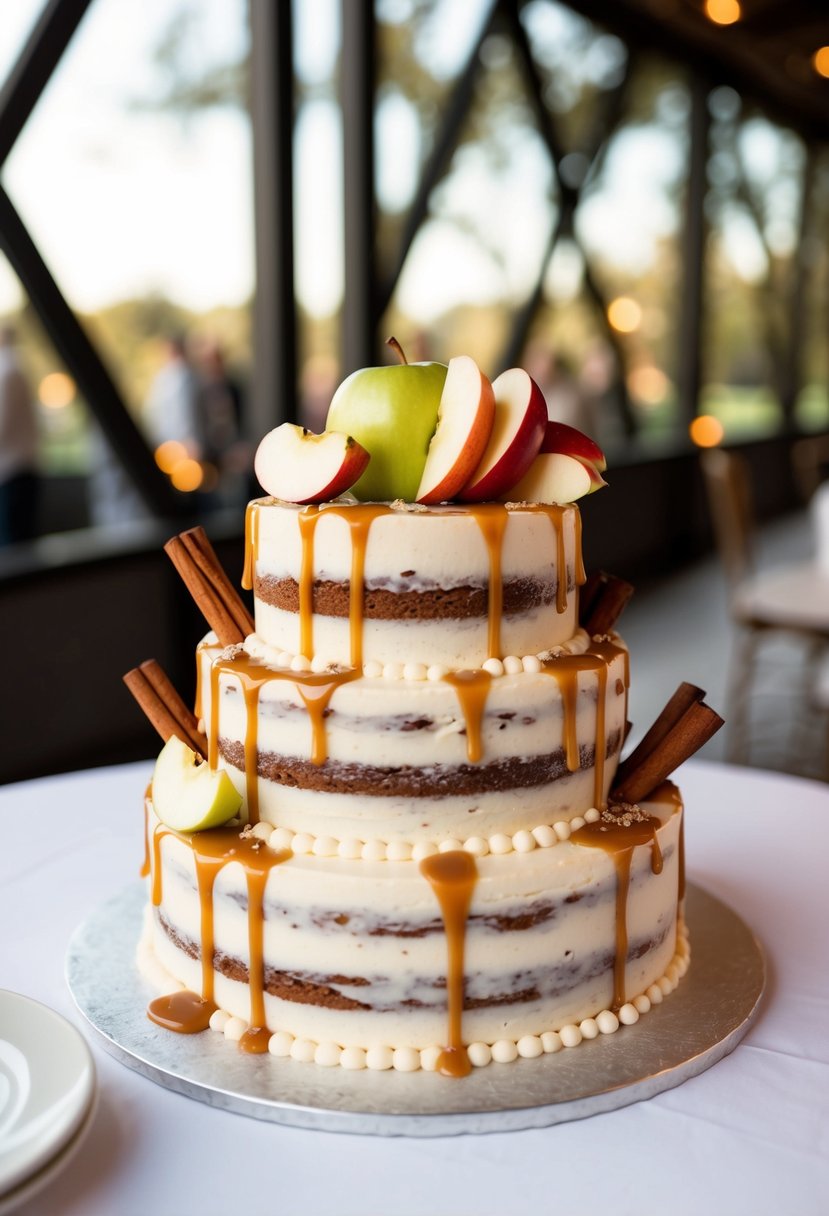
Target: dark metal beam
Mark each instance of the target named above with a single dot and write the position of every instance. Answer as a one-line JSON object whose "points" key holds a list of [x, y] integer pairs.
{"points": [[523, 319], [33, 68], [535, 89], [608, 118], [274, 396], [454, 113], [73, 346], [723, 56], [359, 315], [689, 362]]}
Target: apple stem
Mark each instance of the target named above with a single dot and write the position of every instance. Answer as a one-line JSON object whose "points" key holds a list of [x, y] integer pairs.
{"points": [[397, 348]]}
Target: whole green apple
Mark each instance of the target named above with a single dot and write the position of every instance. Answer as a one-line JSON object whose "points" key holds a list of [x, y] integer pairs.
{"points": [[392, 412]]}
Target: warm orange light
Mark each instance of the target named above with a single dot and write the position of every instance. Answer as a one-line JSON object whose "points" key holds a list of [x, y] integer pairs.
{"points": [[187, 475], [820, 61], [723, 12], [648, 384], [624, 314], [56, 390], [169, 454], [706, 431]]}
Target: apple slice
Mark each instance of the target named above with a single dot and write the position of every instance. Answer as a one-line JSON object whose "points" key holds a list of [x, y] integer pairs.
{"points": [[559, 437], [298, 466], [188, 795], [520, 422], [554, 477], [466, 415]]}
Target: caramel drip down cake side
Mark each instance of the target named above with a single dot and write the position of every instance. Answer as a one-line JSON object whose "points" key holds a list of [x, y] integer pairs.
{"points": [[417, 686]]}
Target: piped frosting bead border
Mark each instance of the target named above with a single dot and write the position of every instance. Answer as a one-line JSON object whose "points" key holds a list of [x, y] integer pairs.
{"points": [[510, 665], [503, 1051], [304, 843]]}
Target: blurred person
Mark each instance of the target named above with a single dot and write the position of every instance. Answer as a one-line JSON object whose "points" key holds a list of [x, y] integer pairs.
{"points": [[19, 482], [219, 406], [171, 409], [218, 401]]}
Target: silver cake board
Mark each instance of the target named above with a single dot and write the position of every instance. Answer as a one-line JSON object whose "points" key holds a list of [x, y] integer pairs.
{"points": [[699, 1023]]}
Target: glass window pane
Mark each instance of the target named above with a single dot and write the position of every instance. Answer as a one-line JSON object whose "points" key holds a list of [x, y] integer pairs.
{"points": [[133, 176]]}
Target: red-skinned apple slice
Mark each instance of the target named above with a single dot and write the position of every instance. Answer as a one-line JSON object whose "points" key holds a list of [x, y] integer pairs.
{"points": [[556, 478], [559, 437], [298, 466], [465, 419], [517, 433]]}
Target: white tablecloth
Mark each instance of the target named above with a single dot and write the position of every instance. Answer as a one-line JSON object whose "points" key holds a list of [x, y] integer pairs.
{"points": [[750, 1136]]}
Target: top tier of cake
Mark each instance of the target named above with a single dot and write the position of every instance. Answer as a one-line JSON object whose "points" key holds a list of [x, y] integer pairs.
{"points": [[352, 583]]}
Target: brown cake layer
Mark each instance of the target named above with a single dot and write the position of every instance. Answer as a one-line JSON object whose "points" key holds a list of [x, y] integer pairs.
{"points": [[381, 604], [306, 989], [436, 781]]}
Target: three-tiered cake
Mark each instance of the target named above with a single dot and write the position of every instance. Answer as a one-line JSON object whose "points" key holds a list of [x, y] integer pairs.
{"points": [[425, 872]]}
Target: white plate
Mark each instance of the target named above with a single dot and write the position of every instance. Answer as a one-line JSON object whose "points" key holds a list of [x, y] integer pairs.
{"points": [[47, 1084], [11, 1200]]}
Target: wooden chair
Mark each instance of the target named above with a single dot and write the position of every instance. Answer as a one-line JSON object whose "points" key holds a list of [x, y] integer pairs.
{"points": [[791, 599], [810, 463]]}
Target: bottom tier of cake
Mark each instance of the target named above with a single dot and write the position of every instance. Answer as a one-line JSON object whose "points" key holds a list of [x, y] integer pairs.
{"points": [[350, 960]]}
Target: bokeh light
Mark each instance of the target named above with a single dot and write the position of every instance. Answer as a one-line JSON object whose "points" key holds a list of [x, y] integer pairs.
{"points": [[706, 431], [624, 314], [820, 61], [723, 12], [648, 385], [170, 454], [187, 475], [56, 391]]}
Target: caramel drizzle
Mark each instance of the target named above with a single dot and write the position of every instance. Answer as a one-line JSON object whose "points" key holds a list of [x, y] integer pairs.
{"points": [[255, 1039], [358, 517], [492, 519], [145, 865], [198, 706], [307, 521], [315, 689], [566, 671], [251, 677], [452, 877], [668, 795], [251, 545], [556, 515], [472, 688], [189, 1012], [581, 577], [619, 841], [184, 1012]]}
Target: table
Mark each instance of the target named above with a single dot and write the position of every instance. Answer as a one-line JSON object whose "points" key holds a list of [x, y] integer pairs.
{"points": [[749, 1137]]}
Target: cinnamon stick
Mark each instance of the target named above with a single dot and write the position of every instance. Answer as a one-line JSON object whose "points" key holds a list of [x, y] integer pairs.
{"points": [[195, 559], [602, 601], [685, 736], [157, 696], [685, 696]]}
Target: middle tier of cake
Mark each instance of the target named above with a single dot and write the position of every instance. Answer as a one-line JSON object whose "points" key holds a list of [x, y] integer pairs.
{"points": [[341, 754]]}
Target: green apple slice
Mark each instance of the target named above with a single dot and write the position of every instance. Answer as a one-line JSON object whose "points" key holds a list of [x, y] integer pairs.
{"points": [[187, 794]]}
